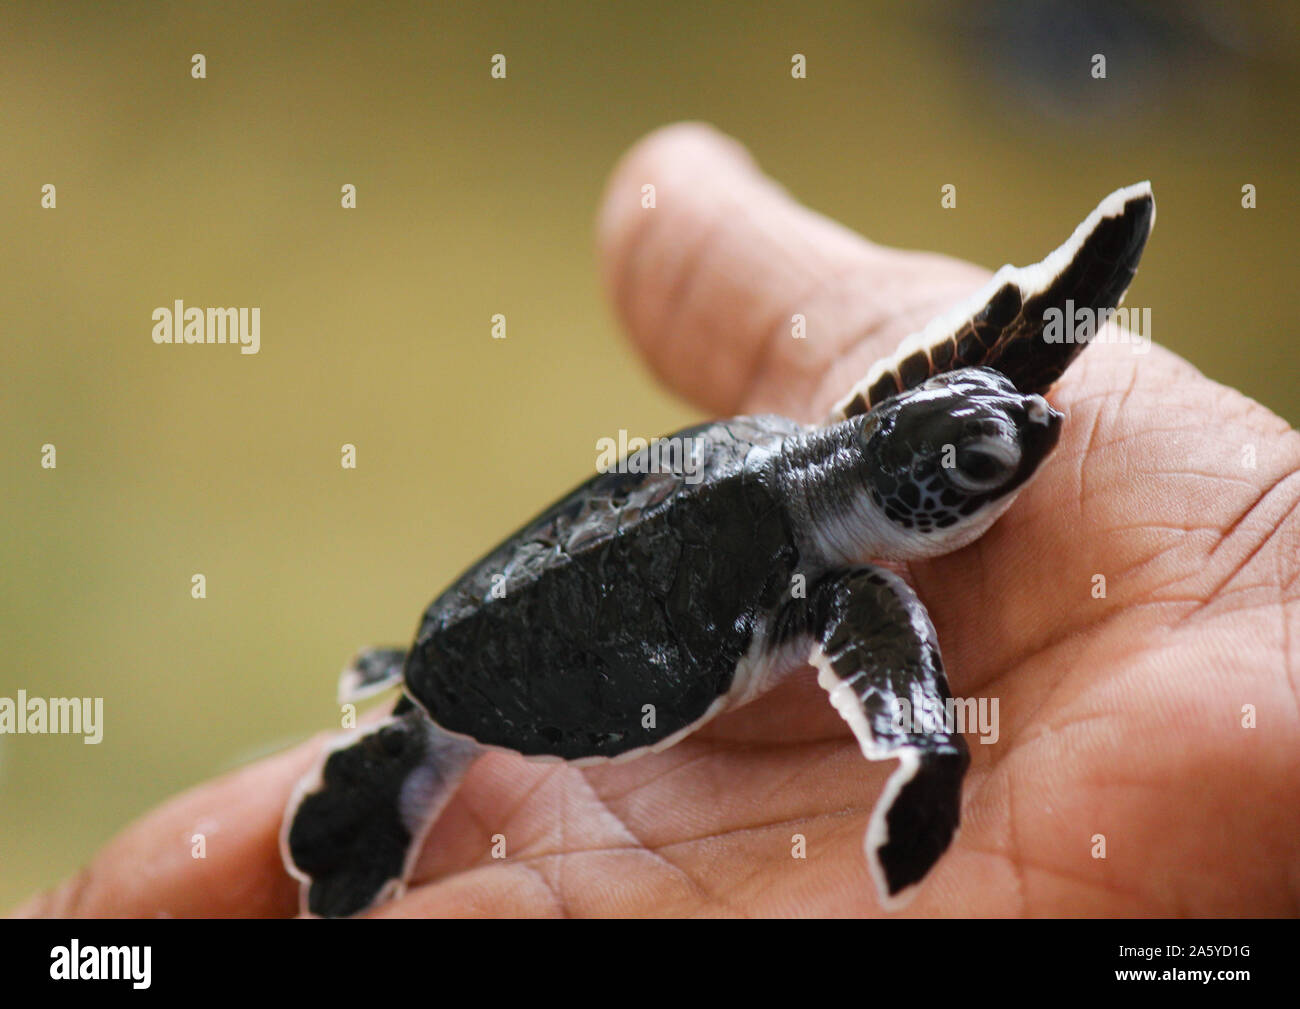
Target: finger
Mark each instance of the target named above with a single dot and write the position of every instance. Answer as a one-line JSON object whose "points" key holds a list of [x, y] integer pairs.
{"points": [[708, 279], [154, 869]]}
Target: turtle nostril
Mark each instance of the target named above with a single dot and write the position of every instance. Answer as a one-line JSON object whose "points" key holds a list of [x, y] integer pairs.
{"points": [[1037, 409]]}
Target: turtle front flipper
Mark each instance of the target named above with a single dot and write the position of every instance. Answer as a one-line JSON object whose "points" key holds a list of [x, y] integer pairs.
{"points": [[1022, 322], [877, 648], [354, 826]]}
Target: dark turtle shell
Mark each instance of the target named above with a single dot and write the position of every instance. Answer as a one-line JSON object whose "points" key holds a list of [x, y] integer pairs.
{"points": [[634, 590]]}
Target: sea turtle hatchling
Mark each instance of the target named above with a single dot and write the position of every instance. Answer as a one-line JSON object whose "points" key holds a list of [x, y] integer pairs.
{"points": [[673, 588]]}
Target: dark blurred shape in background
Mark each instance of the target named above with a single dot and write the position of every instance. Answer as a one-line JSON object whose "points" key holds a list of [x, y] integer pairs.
{"points": [[1161, 53]]}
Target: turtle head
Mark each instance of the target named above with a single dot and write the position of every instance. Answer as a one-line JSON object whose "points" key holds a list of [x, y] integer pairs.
{"points": [[944, 460]]}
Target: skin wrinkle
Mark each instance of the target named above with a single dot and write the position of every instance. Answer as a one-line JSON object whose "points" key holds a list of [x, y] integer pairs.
{"points": [[1145, 785], [1056, 635], [1088, 882], [1019, 875], [1289, 666], [752, 828], [1009, 737], [1239, 568], [1021, 864], [1220, 610], [557, 898], [1163, 551], [701, 891], [657, 850], [1134, 372], [555, 886], [1260, 498], [471, 810], [1214, 477], [1157, 527], [1086, 456], [1113, 443], [1112, 616], [633, 849], [754, 880], [1078, 380], [1067, 723], [797, 772], [562, 829], [1070, 719], [637, 846], [483, 859], [1022, 905], [594, 794], [691, 761], [550, 772], [1012, 853], [1070, 723]]}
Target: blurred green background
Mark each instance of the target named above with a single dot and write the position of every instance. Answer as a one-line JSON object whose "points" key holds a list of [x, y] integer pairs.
{"points": [[476, 196]]}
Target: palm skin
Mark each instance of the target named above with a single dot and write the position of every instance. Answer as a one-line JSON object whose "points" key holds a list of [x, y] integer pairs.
{"points": [[1120, 716]]}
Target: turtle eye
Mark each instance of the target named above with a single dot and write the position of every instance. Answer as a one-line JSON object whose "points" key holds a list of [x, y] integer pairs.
{"points": [[984, 464]]}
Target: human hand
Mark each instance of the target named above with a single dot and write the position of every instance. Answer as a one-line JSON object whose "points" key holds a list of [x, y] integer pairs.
{"points": [[1120, 716]]}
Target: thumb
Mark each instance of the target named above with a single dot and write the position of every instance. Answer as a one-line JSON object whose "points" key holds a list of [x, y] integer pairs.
{"points": [[707, 270]]}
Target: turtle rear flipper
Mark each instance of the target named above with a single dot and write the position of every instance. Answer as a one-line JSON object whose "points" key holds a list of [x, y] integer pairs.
{"points": [[877, 648], [371, 671], [355, 824]]}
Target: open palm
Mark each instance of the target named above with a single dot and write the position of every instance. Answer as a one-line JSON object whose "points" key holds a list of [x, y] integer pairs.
{"points": [[1135, 614]]}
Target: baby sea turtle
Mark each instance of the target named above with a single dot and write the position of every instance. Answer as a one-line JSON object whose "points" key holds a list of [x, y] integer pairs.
{"points": [[668, 590]]}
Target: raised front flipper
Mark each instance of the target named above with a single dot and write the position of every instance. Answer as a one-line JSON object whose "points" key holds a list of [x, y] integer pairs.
{"points": [[355, 824], [1008, 323], [877, 648]]}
